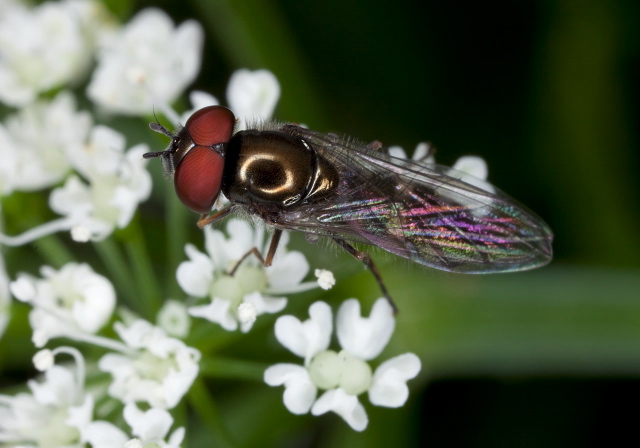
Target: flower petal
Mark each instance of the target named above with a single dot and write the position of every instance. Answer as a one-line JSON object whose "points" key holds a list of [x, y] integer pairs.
{"points": [[389, 386], [472, 170], [346, 406], [473, 165], [153, 424], [225, 252], [102, 434], [218, 311], [365, 337], [262, 304], [299, 391], [253, 95], [287, 270], [307, 338], [195, 276]]}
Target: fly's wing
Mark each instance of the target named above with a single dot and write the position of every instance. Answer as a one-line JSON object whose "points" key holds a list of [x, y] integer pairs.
{"points": [[430, 214]]}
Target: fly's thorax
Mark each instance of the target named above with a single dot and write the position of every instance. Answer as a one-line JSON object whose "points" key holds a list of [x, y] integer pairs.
{"points": [[274, 168]]}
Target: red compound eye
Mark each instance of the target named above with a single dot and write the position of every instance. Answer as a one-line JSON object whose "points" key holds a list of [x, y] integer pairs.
{"points": [[211, 125], [197, 178]]}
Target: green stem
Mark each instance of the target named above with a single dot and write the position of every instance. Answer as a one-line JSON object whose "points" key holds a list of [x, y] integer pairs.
{"points": [[119, 272], [229, 368], [150, 296], [54, 251], [206, 408], [177, 236]]}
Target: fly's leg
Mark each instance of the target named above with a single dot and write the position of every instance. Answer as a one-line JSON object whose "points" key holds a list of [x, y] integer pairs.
{"points": [[365, 258], [377, 145], [273, 246], [206, 220], [429, 152], [266, 262]]}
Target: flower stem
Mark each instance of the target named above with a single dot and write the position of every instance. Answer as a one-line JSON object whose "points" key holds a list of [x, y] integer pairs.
{"points": [[117, 266], [205, 407], [101, 341], [54, 251], [220, 367], [136, 248], [176, 231], [57, 225]]}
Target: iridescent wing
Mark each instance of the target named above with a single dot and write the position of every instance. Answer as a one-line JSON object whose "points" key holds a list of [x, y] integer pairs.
{"points": [[430, 214]]}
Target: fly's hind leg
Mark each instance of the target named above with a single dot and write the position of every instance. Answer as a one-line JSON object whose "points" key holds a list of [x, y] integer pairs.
{"points": [[266, 261], [365, 258], [377, 145]]}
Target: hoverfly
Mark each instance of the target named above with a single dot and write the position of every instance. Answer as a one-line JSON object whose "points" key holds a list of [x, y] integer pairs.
{"points": [[294, 178]]}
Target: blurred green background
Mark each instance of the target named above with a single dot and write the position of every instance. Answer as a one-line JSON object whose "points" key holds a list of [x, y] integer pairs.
{"points": [[547, 93]]}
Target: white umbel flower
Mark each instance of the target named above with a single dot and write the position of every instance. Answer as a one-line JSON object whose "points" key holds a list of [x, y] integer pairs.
{"points": [[152, 426], [5, 297], [148, 62], [342, 375], [53, 413], [113, 182], [252, 96], [472, 170], [206, 275], [422, 154], [40, 138], [174, 319], [159, 370], [116, 182], [42, 49], [72, 302]]}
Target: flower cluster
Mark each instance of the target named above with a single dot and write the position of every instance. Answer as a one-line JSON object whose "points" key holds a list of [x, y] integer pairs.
{"points": [[132, 375], [252, 287], [345, 374]]}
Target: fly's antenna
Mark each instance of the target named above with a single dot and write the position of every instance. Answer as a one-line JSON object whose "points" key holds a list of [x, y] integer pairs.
{"points": [[157, 127]]}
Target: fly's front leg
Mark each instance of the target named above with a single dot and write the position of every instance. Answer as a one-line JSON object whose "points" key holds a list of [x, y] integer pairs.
{"points": [[266, 262], [365, 258], [206, 220]]}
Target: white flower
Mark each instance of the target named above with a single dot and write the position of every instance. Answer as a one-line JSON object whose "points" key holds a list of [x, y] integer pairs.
{"points": [[469, 169], [52, 414], [174, 318], [117, 182], [9, 164], [148, 62], [206, 275], [5, 297], [343, 375], [326, 280], [43, 359], [152, 426], [71, 302], [198, 100], [422, 154], [252, 95], [8, 5], [159, 370], [41, 49], [101, 434], [40, 137], [472, 170]]}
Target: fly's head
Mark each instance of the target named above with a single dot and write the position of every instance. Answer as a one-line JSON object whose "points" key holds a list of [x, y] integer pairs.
{"points": [[195, 156]]}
